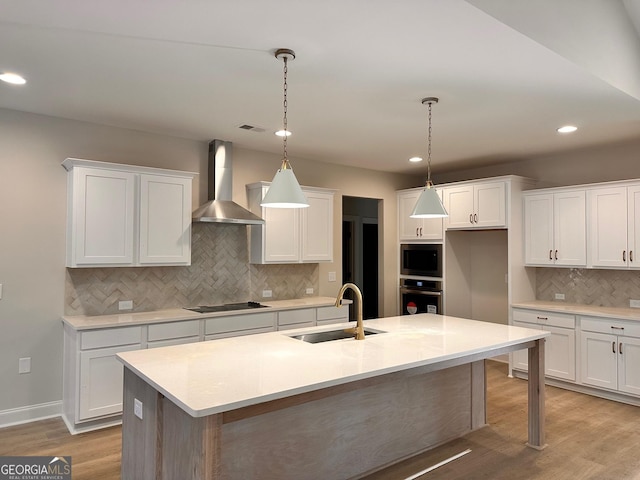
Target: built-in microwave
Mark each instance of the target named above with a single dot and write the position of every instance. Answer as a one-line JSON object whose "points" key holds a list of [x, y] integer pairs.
{"points": [[421, 259]]}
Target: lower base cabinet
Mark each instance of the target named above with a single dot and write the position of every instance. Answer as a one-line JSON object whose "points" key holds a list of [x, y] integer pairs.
{"points": [[610, 361], [560, 347]]}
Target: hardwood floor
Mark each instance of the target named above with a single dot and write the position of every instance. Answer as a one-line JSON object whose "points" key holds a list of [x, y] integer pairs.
{"points": [[588, 437]]}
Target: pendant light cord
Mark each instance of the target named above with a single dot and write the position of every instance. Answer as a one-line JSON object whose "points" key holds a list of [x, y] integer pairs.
{"points": [[429, 150], [284, 119]]}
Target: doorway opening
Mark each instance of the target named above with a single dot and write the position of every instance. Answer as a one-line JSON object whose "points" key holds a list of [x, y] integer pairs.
{"points": [[360, 250]]}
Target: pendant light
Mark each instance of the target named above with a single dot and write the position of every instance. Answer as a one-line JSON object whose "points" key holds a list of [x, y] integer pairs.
{"points": [[429, 204], [285, 191]]}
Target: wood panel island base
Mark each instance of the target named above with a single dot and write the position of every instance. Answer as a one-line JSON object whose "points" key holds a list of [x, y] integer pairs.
{"points": [[271, 406]]}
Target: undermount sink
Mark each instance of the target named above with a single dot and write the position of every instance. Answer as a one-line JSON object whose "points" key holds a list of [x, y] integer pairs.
{"points": [[318, 337]]}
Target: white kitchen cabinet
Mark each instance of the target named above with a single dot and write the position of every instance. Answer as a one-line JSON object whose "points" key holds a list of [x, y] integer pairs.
{"points": [[614, 216], [610, 354], [299, 318], [329, 315], [555, 228], [560, 347], [292, 235], [475, 205], [92, 380], [122, 215], [416, 229], [236, 325]]}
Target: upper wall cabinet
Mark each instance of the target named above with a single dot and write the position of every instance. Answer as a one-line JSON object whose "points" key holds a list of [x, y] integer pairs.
{"points": [[555, 228], [122, 215], [292, 235], [475, 205], [416, 229], [614, 227]]}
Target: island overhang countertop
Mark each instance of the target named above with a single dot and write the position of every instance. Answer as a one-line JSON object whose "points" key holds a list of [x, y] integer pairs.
{"points": [[222, 375]]}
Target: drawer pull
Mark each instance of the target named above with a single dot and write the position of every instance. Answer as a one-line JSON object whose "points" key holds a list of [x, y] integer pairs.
{"points": [[471, 218], [620, 348], [542, 318], [613, 347], [616, 328], [631, 255], [556, 255], [420, 231], [550, 254], [475, 217], [624, 255]]}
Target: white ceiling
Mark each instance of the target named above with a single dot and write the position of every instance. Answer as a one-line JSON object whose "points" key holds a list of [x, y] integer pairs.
{"points": [[507, 72]]}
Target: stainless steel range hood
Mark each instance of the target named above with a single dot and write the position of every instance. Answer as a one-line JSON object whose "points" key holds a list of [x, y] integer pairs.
{"points": [[220, 208]]}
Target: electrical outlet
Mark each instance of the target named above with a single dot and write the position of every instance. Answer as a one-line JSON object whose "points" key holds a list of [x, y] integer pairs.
{"points": [[267, 293], [125, 305], [559, 296], [634, 303], [332, 276], [24, 365], [309, 291], [137, 408]]}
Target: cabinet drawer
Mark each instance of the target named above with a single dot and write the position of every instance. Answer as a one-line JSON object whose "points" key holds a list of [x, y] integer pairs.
{"points": [[291, 317], [252, 331], [239, 322], [173, 341], [331, 313], [611, 326], [166, 331], [545, 318], [110, 337]]}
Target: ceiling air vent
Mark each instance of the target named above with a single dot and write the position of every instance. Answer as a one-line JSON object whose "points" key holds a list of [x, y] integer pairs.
{"points": [[252, 128]]}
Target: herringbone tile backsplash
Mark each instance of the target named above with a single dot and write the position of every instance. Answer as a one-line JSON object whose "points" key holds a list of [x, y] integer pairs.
{"points": [[219, 273], [606, 288]]}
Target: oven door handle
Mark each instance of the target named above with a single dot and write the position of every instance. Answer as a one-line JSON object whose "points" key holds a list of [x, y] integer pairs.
{"points": [[430, 293]]}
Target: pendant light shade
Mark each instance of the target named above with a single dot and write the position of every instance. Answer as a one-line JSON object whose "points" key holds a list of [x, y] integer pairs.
{"points": [[429, 204], [285, 191]]}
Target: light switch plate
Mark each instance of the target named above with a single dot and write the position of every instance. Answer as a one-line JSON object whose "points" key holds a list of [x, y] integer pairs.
{"points": [[309, 291], [332, 276], [634, 303], [559, 296], [267, 293], [125, 305], [24, 365]]}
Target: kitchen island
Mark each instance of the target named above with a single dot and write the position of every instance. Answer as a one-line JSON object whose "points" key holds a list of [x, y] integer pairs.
{"points": [[272, 406]]}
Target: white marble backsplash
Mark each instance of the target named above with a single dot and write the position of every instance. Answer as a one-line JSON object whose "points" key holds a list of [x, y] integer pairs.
{"points": [[605, 288], [219, 273]]}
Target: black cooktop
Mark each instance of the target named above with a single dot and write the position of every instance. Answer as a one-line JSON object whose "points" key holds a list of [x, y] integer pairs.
{"points": [[226, 308]]}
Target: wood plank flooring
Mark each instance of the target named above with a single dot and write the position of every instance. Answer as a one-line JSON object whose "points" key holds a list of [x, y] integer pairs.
{"points": [[588, 437]]}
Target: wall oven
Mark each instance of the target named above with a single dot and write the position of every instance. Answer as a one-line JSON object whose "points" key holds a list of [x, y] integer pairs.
{"points": [[420, 296], [421, 259]]}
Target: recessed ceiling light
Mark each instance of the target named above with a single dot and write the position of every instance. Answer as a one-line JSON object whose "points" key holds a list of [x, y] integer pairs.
{"points": [[283, 133], [567, 129], [415, 159], [13, 78]]}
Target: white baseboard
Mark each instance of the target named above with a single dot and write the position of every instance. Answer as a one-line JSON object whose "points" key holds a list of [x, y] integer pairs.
{"points": [[31, 413]]}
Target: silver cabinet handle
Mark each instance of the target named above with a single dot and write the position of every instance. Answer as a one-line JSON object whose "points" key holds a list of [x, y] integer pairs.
{"points": [[624, 255], [613, 347]]}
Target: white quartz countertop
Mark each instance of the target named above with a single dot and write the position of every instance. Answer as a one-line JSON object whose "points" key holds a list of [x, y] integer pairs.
{"points": [[87, 322], [217, 376], [579, 309]]}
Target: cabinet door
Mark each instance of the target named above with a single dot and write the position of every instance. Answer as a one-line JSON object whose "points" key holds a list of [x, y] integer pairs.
{"points": [[281, 235], [538, 229], [409, 229], [101, 380], [599, 360], [490, 205], [560, 353], [317, 228], [459, 206], [165, 220], [629, 365], [633, 226], [102, 209], [608, 227], [570, 229], [521, 357]]}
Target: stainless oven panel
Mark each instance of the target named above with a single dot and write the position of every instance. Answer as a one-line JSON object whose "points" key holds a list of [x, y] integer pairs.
{"points": [[420, 296]]}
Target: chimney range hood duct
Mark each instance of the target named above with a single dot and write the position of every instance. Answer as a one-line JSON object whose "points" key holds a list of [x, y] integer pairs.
{"points": [[220, 208]]}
